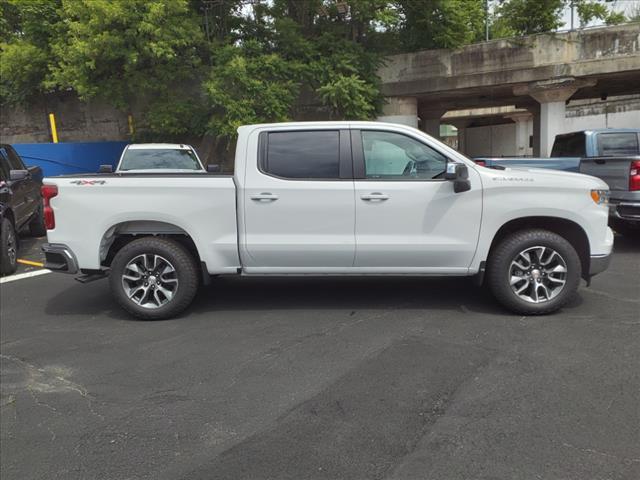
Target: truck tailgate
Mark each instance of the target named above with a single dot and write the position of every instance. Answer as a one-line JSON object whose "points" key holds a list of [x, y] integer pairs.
{"points": [[613, 170]]}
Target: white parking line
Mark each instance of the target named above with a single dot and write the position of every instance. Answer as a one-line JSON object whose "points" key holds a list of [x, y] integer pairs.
{"points": [[20, 276]]}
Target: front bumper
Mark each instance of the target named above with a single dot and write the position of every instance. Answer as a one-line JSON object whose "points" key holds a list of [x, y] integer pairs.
{"points": [[625, 209], [599, 263], [59, 258]]}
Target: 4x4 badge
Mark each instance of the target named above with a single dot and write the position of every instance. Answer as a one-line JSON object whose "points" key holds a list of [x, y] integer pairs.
{"points": [[89, 182]]}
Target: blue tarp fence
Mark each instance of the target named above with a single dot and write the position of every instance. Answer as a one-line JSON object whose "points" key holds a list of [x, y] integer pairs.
{"points": [[69, 158]]}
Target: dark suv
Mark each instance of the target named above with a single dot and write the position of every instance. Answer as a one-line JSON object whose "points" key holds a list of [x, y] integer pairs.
{"points": [[20, 205]]}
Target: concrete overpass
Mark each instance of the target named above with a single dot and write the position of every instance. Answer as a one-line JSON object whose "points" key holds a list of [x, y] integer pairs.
{"points": [[535, 75]]}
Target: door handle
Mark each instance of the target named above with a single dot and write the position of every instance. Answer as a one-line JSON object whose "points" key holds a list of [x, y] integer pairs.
{"points": [[375, 196], [264, 197]]}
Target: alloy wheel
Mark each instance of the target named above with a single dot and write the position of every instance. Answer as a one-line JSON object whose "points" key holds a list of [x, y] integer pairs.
{"points": [[150, 281], [538, 274]]}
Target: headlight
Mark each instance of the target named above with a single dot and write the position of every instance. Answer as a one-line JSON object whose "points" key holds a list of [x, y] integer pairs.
{"points": [[601, 197]]}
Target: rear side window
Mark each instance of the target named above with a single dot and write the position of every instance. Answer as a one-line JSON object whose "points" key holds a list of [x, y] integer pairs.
{"points": [[308, 154], [617, 144], [570, 145]]}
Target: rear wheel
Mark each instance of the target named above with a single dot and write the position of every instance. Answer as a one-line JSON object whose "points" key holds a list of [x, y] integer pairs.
{"points": [[534, 272], [154, 278], [8, 248]]}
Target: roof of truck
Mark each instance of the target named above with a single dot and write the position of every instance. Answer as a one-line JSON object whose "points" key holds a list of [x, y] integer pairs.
{"points": [[601, 130]]}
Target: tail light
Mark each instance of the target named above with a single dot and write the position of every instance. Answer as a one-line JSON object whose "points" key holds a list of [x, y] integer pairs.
{"points": [[634, 176], [482, 163], [48, 192]]}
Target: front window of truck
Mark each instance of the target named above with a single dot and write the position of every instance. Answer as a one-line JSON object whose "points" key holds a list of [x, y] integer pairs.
{"points": [[159, 159]]}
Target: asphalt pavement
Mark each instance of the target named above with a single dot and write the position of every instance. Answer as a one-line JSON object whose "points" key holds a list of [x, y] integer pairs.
{"points": [[322, 378]]}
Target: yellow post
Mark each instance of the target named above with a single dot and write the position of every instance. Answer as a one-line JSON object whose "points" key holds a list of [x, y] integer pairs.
{"points": [[130, 120], [54, 131]]}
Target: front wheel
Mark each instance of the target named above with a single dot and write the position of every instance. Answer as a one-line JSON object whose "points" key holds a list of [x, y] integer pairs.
{"points": [[534, 272], [154, 278]]}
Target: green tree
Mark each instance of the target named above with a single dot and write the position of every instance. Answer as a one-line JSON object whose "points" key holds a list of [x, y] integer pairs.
{"points": [[288, 49], [589, 10], [26, 30], [249, 85], [525, 17], [440, 23], [132, 53]]}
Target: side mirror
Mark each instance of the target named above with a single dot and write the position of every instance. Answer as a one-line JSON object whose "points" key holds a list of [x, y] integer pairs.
{"points": [[213, 168], [459, 173], [15, 175], [105, 169]]}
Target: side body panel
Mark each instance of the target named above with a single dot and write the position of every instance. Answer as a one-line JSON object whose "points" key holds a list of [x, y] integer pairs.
{"points": [[514, 193], [203, 206]]}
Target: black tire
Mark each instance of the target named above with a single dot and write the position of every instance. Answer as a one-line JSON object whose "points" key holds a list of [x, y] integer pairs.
{"points": [[36, 225], [499, 271], [8, 248], [186, 273]]}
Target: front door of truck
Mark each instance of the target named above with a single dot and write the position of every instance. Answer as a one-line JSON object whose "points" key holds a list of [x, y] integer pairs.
{"points": [[408, 217], [299, 203]]}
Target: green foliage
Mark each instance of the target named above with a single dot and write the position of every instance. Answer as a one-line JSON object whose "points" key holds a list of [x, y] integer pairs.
{"points": [[349, 97], [441, 23], [589, 10], [121, 51], [26, 28], [525, 17], [189, 67], [249, 85], [22, 68], [293, 47]]}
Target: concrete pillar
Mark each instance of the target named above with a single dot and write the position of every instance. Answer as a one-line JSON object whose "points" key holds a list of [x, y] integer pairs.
{"points": [[430, 121], [521, 120], [461, 125], [552, 116], [402, 110], [552, 96]]}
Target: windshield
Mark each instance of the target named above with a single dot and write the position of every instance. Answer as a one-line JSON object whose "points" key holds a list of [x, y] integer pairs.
{"points": [[160, 158]]}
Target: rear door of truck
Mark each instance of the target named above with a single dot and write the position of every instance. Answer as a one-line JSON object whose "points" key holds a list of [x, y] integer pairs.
{"points": [[298, 204]]}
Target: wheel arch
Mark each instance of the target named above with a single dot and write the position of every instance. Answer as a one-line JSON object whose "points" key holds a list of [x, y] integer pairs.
{"points": [[120, 234], [568, 229]]}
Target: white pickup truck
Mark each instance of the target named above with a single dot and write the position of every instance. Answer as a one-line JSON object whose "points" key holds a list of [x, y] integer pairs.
{"points": [[331, 198]]}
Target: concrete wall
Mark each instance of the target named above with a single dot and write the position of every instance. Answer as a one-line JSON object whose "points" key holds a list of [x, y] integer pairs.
{"points": [[491, 140], [76, 121]]}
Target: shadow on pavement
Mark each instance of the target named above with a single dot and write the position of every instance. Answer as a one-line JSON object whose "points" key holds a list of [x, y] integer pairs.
{"points": [[626, 244], [237, 294]]}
